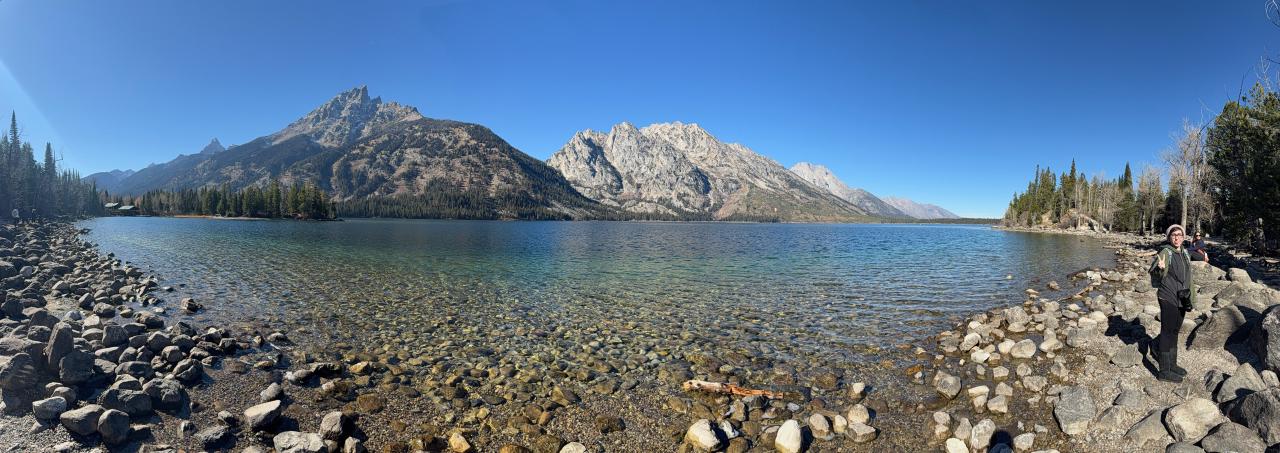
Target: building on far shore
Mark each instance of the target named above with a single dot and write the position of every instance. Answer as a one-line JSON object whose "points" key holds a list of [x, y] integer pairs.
{"points": [[117, 209]]}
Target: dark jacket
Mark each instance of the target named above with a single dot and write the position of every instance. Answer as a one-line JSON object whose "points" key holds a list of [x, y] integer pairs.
{"points": [[1175, 276]]}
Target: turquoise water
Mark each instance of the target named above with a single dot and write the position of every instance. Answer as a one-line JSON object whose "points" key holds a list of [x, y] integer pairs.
{"points": [[821, 289]]}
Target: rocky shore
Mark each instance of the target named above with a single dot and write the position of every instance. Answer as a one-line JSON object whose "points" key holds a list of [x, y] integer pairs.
{"points": [[1099, 387], [94, 355], [88, 361]]}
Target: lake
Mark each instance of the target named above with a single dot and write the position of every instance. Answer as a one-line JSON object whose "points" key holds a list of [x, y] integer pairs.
{"points": [[609, 306]]}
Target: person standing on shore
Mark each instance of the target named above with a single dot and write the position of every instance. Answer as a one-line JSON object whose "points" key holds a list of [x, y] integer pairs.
{"points": [[1171, 275], [1198, 250]]}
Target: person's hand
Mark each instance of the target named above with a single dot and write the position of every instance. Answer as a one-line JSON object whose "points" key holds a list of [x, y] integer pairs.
{"points": [[1160, 262]]}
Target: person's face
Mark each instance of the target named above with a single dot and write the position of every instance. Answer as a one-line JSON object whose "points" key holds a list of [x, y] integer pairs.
{"points": [[1175, 238]]}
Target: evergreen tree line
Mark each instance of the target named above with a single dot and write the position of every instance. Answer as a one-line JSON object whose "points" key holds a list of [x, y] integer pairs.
{"points": [[1074, 199], [1222, 179], [275, 200], [38, 189]]}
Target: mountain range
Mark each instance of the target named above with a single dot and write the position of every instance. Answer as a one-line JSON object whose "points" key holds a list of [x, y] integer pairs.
{"points": [[682, 170], [386, 159], [919, 210]]}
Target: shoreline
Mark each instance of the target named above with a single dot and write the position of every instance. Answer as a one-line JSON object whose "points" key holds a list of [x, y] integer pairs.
{"points": [[894, 418]]}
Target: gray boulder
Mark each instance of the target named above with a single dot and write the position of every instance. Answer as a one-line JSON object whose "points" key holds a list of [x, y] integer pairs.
{"points": [[1150, 428], [1251, 295], [1202, 272], [18, 372], [946, 384], [1232, 437], [133, 402], [1260, 411], [1074, 410], [61, 342], [12, 345], [82, 421], [188, 370], [1024, 349], [76, 367], [297, 442], [211, 437], [1266, 339], [114, 335], [1183, 447], [1191, 420], [272, 392], [166, 394], [49, 408], [1220, 329], [1127, 356], [262, 415], [135, 368], [114, 427], [1236, 274], [1245, 381], [334, 425]]}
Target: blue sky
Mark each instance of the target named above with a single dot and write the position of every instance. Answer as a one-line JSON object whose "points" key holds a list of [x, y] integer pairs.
{"points": [[952, 103]]}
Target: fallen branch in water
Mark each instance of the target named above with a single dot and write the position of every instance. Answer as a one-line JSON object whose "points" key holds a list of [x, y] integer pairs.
{"points": [[728, 389]]}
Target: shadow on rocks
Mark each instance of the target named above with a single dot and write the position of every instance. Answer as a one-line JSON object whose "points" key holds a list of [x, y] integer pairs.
{"points": [[1001, 437]]}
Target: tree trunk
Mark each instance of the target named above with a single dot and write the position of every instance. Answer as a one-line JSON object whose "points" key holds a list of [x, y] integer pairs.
{"points": [[1184, 210]]}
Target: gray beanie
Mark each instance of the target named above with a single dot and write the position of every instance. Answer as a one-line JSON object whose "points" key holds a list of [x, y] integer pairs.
{"points": [[1173, 227]]}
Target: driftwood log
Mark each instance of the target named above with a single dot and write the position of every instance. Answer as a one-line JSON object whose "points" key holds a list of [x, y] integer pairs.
{"points": [[728, 389]]}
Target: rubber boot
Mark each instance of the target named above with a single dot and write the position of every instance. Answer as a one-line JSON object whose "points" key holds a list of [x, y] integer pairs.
{"points": [[1166, 372], [1173, 363]]}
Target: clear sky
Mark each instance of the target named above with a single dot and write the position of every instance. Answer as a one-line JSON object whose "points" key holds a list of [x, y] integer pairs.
{"points": [[947, 102]]}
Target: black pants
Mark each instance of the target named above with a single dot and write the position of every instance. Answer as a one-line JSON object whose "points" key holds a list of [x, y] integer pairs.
{"points": [[1170, 323]]}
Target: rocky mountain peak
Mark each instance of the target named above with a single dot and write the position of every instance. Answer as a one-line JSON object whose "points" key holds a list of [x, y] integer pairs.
{"points": [[213, 147], [680, 169], [681, 135], [346, 118], [823, 178], [920, 210]]}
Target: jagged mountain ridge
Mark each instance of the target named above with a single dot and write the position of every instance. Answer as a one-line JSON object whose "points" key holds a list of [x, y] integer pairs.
{"points": [[108, 180], [920, 210], [360, 148], [682, 170], [822, 177]]}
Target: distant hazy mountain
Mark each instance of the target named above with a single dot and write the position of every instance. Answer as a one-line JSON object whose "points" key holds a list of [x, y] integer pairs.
{"points": [[920, 210], [107, 180], [160, 175], [364, 150], [681, 170], [822, 177]]}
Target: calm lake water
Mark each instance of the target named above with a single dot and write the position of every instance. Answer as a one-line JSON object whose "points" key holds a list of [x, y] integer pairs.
{"points": [[622, 312], [821, 287]]}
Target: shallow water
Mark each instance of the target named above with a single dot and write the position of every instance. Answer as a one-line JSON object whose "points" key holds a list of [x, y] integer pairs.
{"points": [[853, 284], [624, 299]]}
